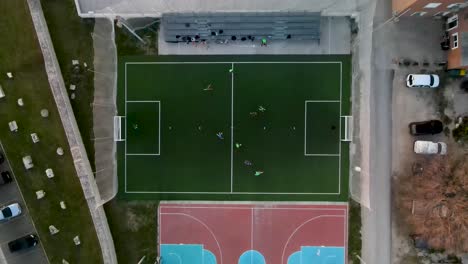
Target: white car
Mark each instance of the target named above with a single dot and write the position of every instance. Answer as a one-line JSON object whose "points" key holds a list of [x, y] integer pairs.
{"points": [[10, 211], [422, 80], [429, 147]]}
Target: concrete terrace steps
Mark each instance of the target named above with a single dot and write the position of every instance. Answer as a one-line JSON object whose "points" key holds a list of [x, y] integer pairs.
{"points": [[183, 27]]}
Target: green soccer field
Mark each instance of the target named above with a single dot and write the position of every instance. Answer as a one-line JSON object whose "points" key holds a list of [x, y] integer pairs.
{"points": [[202, 127]]}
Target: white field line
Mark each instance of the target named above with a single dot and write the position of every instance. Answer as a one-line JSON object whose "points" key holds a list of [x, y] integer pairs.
{"points": [[230, 62], [339, 138], [322, 155], [142, 154], [159, 128], [142, 101], [126, 130], [305, 128], [272, 193], [232, 127], [232, 120]]}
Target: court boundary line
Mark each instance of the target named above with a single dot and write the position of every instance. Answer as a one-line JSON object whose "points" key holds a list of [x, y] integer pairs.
{"points": [[343, 214], [159, 127], [244, 203], [204, 225], [313, 219], [232, 134], [252, 205], [251, 230], [159, 230]]}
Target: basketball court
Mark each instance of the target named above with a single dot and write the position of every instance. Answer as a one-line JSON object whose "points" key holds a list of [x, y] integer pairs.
{"points": [[252, 233]]}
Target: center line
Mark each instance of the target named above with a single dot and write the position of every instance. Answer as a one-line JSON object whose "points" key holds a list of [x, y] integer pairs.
{"points": [[232, 125]]}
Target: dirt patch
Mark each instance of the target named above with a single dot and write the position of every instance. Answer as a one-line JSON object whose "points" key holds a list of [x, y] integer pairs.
{"points": [[134, 229], [139, 216]]}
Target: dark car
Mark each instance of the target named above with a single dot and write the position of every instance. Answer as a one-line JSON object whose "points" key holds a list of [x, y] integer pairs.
{"points": [[430, 127], [2, 158], [5, 177], [23, 243]]}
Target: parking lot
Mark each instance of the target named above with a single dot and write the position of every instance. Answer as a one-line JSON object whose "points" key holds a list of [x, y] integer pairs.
{"points": [[18, 226]]}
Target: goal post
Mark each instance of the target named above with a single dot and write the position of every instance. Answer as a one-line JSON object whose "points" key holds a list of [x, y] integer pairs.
{"points": [[118, 128], [348, 128]]}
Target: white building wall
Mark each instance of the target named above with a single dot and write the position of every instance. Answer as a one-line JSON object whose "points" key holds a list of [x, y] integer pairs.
{"points": [[154, 8]]}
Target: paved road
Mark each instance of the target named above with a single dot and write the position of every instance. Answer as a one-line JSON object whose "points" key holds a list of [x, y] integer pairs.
{"points": [[16, 227], [376, 221]]}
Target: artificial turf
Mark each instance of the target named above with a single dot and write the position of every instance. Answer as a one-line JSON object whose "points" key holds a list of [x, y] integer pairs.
{"points": [[175, 110]]}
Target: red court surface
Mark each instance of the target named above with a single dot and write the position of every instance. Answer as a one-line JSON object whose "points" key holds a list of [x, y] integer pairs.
{"points": [[274, 230]]}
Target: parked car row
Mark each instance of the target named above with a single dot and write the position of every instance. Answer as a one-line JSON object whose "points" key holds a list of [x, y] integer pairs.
{"points": [[23, 243], [13, 210], [5, 175], [429, 127]]}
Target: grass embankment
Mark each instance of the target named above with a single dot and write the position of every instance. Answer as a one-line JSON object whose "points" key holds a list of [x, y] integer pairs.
{"points": [[72, 40], [354, 233], [22, 55]]}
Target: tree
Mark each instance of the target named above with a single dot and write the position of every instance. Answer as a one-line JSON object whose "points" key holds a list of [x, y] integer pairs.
{"points": [[433, 202]]}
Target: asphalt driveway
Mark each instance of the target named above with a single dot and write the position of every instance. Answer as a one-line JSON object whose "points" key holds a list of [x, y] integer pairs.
{"points": [[16, 227]]}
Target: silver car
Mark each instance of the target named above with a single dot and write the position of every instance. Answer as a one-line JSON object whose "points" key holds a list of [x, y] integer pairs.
{"points": [[422, 80], [429, 147], [10, 211]]}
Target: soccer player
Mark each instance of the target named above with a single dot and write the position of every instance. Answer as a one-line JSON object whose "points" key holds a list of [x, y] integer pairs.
{"points": [[208, 88], [253, 114], [258, 173]]}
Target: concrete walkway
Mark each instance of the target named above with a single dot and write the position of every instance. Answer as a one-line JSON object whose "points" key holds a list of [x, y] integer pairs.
{"points": [[80, 158], [154, 8], [104, 107], [377, 139]]}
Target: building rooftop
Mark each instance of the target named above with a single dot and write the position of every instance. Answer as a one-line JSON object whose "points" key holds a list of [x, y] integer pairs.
{"points": [[400, 5]]}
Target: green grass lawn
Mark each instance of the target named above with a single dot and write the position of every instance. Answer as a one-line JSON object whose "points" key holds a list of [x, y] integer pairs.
{"points": [[354, 233], [71, 36], [184, 159], [21, 55], [133, 226]]}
